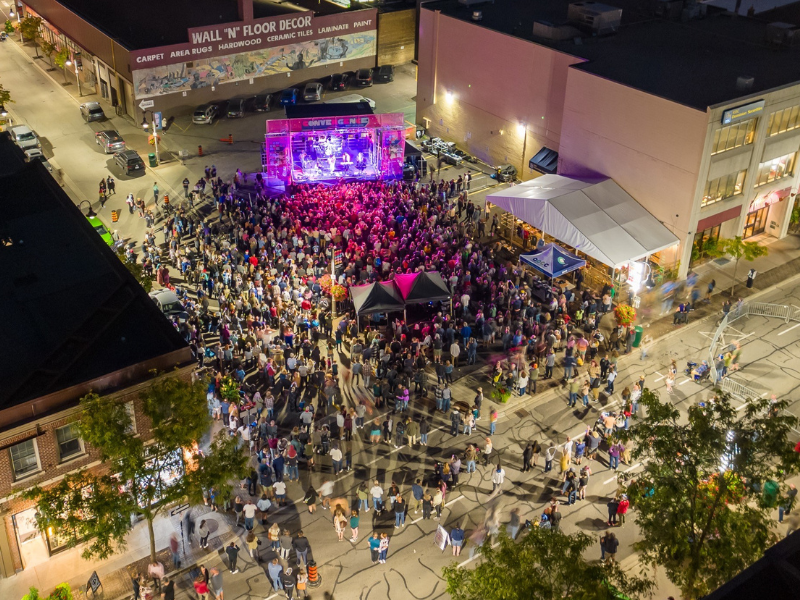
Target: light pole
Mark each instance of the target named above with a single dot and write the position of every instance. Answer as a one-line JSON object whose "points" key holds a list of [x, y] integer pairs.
{"points": [[145, 126], [77, 77], [90, 212]]}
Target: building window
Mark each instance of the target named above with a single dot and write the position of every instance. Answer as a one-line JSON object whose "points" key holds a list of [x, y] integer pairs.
{"points": [[25, 459], [704, 244], [132, 415], [69, 441], [784, 120], [775, 169], [733, 136], [723, 187]]}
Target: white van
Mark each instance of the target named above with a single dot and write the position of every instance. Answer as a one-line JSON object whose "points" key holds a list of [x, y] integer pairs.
{"points": [[351, 99]]}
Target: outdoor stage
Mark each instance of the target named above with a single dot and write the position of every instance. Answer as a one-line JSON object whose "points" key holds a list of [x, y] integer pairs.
{"points": [[334, 148]]}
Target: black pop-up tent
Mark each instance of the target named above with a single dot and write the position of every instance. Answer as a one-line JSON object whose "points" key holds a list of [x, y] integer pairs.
{"points": [[416, 288], [376, 297]]}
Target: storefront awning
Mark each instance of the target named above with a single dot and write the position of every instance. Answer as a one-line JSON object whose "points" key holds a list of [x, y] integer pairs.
{"points": [[545, 161], [600, 219], [553, 260]]}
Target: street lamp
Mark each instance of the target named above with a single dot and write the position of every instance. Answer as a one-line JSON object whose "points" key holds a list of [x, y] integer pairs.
{"points": [[3, 111], [145, 126], [91, 212], [77, 77]]}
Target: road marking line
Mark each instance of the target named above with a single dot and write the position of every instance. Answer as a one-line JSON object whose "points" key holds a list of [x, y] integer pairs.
{"points": [[456, 499], [684, 381], [660, 378], [469, 560], [790, 328], [628, 470]]}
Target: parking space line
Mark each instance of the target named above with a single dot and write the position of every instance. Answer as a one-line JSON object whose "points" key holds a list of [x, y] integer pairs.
{"points": [[790, 328], [660, 378], [684, 381]]}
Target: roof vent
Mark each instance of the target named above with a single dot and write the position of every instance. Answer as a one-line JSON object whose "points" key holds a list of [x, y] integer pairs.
{"points": [[597, 18], [477, 15], [744, 83]]}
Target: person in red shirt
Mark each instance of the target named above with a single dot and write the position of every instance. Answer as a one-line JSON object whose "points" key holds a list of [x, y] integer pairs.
{"points": [[201, 587], [622, 509]]}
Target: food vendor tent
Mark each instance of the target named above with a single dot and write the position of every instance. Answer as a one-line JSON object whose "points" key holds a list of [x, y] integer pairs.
{"points": [[600, 219], [416, 288], [553, 260]]}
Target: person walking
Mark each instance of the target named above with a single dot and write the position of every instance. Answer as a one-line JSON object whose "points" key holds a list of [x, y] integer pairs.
{"points": [[612, 545], [233, 554], [354, 519], [203, 532], [498, 477], [216, 584], [457, 539], [375, 547], [252, 543], [274, 570], [288, 581], [201, 587], [416, 494], [301, 547], [384, 548], [310, 499], [399, 512]]}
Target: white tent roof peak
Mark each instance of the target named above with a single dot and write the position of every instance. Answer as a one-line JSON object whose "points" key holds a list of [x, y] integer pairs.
{"points": [[598, 218]]}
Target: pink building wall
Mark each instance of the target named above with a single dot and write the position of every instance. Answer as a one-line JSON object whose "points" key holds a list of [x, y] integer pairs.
{"points": [[474, 83], [650, 146]]}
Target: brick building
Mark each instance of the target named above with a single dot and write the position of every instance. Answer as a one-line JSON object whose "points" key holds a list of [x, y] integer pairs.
{"points": [[75, 321]]}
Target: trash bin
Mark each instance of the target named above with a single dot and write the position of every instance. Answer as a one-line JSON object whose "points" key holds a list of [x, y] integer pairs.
{"points": [[770, 493], [152, 158], [637, 336]]}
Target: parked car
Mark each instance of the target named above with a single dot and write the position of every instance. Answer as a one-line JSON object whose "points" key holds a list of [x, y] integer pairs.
{"points": [[168, 303], [25, 138], [313, 92], [289, 96], [92, 111], [384, 74], [110, 141], [102, 230], [339, 82], [205, 114], [262, 102], [129, 161], [351, 98], [363, 78], [505, 173], [239, 106]]}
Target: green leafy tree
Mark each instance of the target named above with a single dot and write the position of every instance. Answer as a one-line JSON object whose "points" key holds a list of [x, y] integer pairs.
{"points": [[5, 96], [8, 27], [29, 26], [151, 474], [48, 50], [137, 270], [61, 58], [543, 565], [77, 507], [698, 503], [736, 248]]}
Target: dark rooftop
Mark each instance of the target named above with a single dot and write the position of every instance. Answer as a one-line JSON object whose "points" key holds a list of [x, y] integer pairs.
{"points": [[695, 63], [151, 23], [71, 310], [321, 110]]}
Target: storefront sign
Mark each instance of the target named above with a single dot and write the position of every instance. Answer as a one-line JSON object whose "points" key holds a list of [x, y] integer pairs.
{"points": [[231, 38], [742, 112]]}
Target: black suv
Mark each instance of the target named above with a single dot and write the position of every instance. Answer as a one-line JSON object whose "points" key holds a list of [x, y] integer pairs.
{"points": [[384, 74], [363, 78], [129, 161]]}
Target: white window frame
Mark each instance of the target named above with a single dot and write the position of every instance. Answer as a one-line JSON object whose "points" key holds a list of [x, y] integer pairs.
{"points": [[18, 477], [131, 410], [78, 454]]}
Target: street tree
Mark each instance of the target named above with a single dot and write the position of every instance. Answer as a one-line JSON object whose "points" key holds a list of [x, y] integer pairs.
{"points": [[149, 475], [29, 26], [8, 27], [736, 248], [48, 50], [544, 564], [61, 57], [700, 503], [5, 96], [137, 270]]}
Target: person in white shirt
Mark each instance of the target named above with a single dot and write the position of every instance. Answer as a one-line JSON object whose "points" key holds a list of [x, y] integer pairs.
{"points": [[325, 491], [465, 303], [377, 494], [455, 351], [498, 477], [249, 515], [336, 457]]}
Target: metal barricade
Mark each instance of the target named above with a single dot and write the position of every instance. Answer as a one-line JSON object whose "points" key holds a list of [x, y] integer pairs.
{"points": [[763, 309], [737, 389]]}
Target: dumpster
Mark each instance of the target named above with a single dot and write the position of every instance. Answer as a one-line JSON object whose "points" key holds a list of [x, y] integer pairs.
{"points": [[152, 158], [637, 336]]}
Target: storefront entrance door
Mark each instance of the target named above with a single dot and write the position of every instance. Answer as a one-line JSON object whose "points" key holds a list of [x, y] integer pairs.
{"points": [[31, 542], [756, 222]]}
